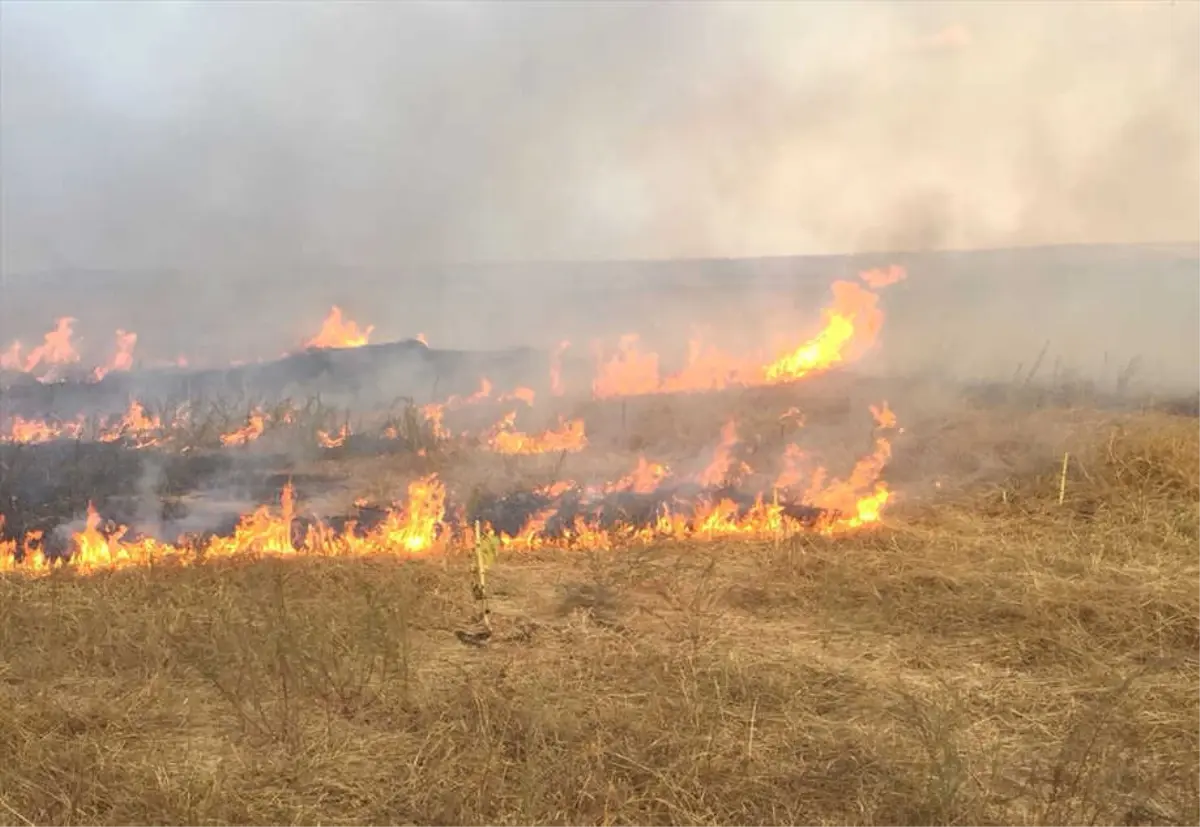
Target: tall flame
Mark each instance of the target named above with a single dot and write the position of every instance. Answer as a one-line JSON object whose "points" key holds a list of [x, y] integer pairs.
{"points": [[337, 332]]}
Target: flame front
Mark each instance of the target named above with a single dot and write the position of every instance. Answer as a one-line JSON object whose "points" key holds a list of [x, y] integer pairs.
{"points": [[850, 324]]}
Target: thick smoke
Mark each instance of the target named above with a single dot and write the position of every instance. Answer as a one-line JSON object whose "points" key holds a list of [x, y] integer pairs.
{"points": [[238, 167], [227, 137]]}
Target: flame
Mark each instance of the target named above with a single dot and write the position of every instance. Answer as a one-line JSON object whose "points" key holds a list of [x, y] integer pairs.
{"points": [[884, 418], [718, 471], [629, 372], [255, 425], [410, 528], [569, 436], [420, 337], [849, 326], [339, 332], [135, 425], [851, 322], [434, 414], [122, 359], [31, 431], [334, 440], [419, 525], [644, 479], [521, 394], [56, 350]]}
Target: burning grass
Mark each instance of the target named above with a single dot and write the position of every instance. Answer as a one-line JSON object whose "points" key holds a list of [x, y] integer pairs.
{"points": [[1010, 651]]}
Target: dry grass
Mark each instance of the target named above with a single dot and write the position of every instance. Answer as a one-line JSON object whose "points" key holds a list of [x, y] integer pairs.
{"points": [[988, 657]]}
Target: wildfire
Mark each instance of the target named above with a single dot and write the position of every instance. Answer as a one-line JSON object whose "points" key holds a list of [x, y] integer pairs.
{"points": [[700, 505], [334, 440], [410, 528], [31, 431], [419, 524], [339, 332], [718, 471], [136, 426], [569, 436], [849, 326], [55, 351], [122, 357], [256, 425]]}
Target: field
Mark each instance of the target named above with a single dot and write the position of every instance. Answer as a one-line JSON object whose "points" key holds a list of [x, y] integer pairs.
{"points": [[1010, 643]]}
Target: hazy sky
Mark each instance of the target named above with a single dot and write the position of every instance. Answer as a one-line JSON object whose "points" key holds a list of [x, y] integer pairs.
{"points": [[202, 136]]}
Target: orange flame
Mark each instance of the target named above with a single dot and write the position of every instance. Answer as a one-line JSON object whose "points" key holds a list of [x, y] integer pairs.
{"points": [[135, 425], [569, 436], [338, 332], [717, 471], [334, 440], [32, 431], [255, 425], [850, 325], [55, 350], [122, 359]]}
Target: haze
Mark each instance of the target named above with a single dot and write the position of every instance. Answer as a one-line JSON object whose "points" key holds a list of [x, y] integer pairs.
{"points": [[203, 137]]}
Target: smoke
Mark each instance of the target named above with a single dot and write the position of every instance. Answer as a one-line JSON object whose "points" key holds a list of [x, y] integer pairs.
{"points": [[254, 137]]}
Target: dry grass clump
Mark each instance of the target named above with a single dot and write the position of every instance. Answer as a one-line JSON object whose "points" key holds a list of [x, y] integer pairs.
{"points": [[991, 656]]}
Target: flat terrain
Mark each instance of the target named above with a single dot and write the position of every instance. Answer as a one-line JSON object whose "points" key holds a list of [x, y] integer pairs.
{"points": [[987, 655]]}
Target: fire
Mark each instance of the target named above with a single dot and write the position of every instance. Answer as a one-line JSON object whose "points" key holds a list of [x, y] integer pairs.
{"points": [[334, 440], [852, 321], [569, 436], [644, 479], [521, 394], [849, 326], [410, 528], [255, 425], [135, 425], [31, 431], [339, 332], [884, 417], [629, 372], [56, 350], [122, 359], [414, 527], [718, 471], [706, 505], [419, 525]]}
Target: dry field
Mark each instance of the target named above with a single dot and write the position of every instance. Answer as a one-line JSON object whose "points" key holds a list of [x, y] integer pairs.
{"points": [[987, 654]]}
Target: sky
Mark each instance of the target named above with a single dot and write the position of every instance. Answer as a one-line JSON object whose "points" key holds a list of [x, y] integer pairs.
{"points": [[234, 135]]}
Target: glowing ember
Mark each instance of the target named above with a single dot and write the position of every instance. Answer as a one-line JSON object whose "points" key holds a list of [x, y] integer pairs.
{"points": [[339, 332]]}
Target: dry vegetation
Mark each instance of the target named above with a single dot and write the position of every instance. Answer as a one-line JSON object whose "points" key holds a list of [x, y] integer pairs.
{"points": [[989, 656]]}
